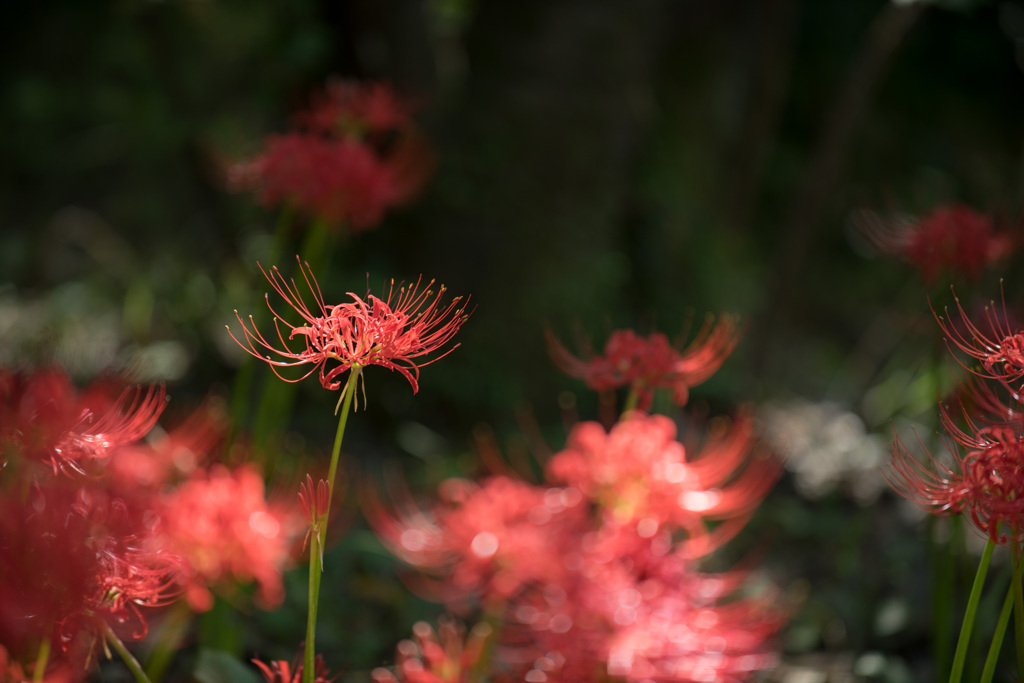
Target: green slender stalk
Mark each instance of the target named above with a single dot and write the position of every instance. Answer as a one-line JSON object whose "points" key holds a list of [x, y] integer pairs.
{"points": [[1018, 610], [972, 609], [41, 659], [171, 634], [129, 659], [317, 540], [942, 562], [997, 638], [632, 399]]}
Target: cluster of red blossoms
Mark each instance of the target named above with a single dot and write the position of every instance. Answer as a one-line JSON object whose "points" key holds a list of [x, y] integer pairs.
{"points": [[353, 154], [99, 526], [985, 480], [595, 572], [953, 239], [644, 365]]}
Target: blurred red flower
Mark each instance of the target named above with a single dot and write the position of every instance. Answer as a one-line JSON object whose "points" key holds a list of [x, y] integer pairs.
{"points": [[953, 238], [43, 418], [394, 333], [592, 578], [445, 656], [282, 671], [639, 473], [338, 166], [225, 530], [646, 364]]}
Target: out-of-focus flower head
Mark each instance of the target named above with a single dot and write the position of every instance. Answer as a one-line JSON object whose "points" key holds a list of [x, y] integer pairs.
{"points": [[677, 632], [352, 109], [446, 656], [44, 419], [77, 557], [226, 531], [639, 473], [489, 539], [282, 671], [646, 364], [13, 672], [338, 166], [395, 333], [953, 238]]}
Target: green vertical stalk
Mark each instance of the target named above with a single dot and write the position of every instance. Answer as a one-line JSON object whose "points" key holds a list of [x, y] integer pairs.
{"points": [[41, 659], [632, 399], [317, 540], [129, 659], [173, 632], [1018, 610], [972, 609], [997, 637]]}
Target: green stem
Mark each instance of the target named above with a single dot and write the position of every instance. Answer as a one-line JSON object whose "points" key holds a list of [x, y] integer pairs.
{"points": [[129, 659], [171, 634], [44, 655], [1000, 630], [997, 638], [632, 399], [942, 561], [1018, 610], [972, 608], [317, 539]]}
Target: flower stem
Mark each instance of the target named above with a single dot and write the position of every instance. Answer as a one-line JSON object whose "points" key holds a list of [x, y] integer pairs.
{"points": [[44, 654], [317, 540], [173, 632], [129, 659], [997, 637], [1018, 609], [972, 608], [632, 399]]}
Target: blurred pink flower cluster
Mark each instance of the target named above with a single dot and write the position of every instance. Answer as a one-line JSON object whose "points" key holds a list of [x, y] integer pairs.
{"points": [[595, 573], [351, 156], [104, 518]]}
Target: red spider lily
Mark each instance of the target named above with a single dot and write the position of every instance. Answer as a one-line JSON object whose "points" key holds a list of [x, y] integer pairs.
{"points": [[953, 238], [351, 108], [282, 671], [639, 473], [336, 166], [1000, 351], [43, 419], [169, 456], [77, 558], [394, 332], [13, 672], [647, 364], [339, 181], [443, 657], [225, 530], [490, 539], [652, 618], [986, 483]]}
